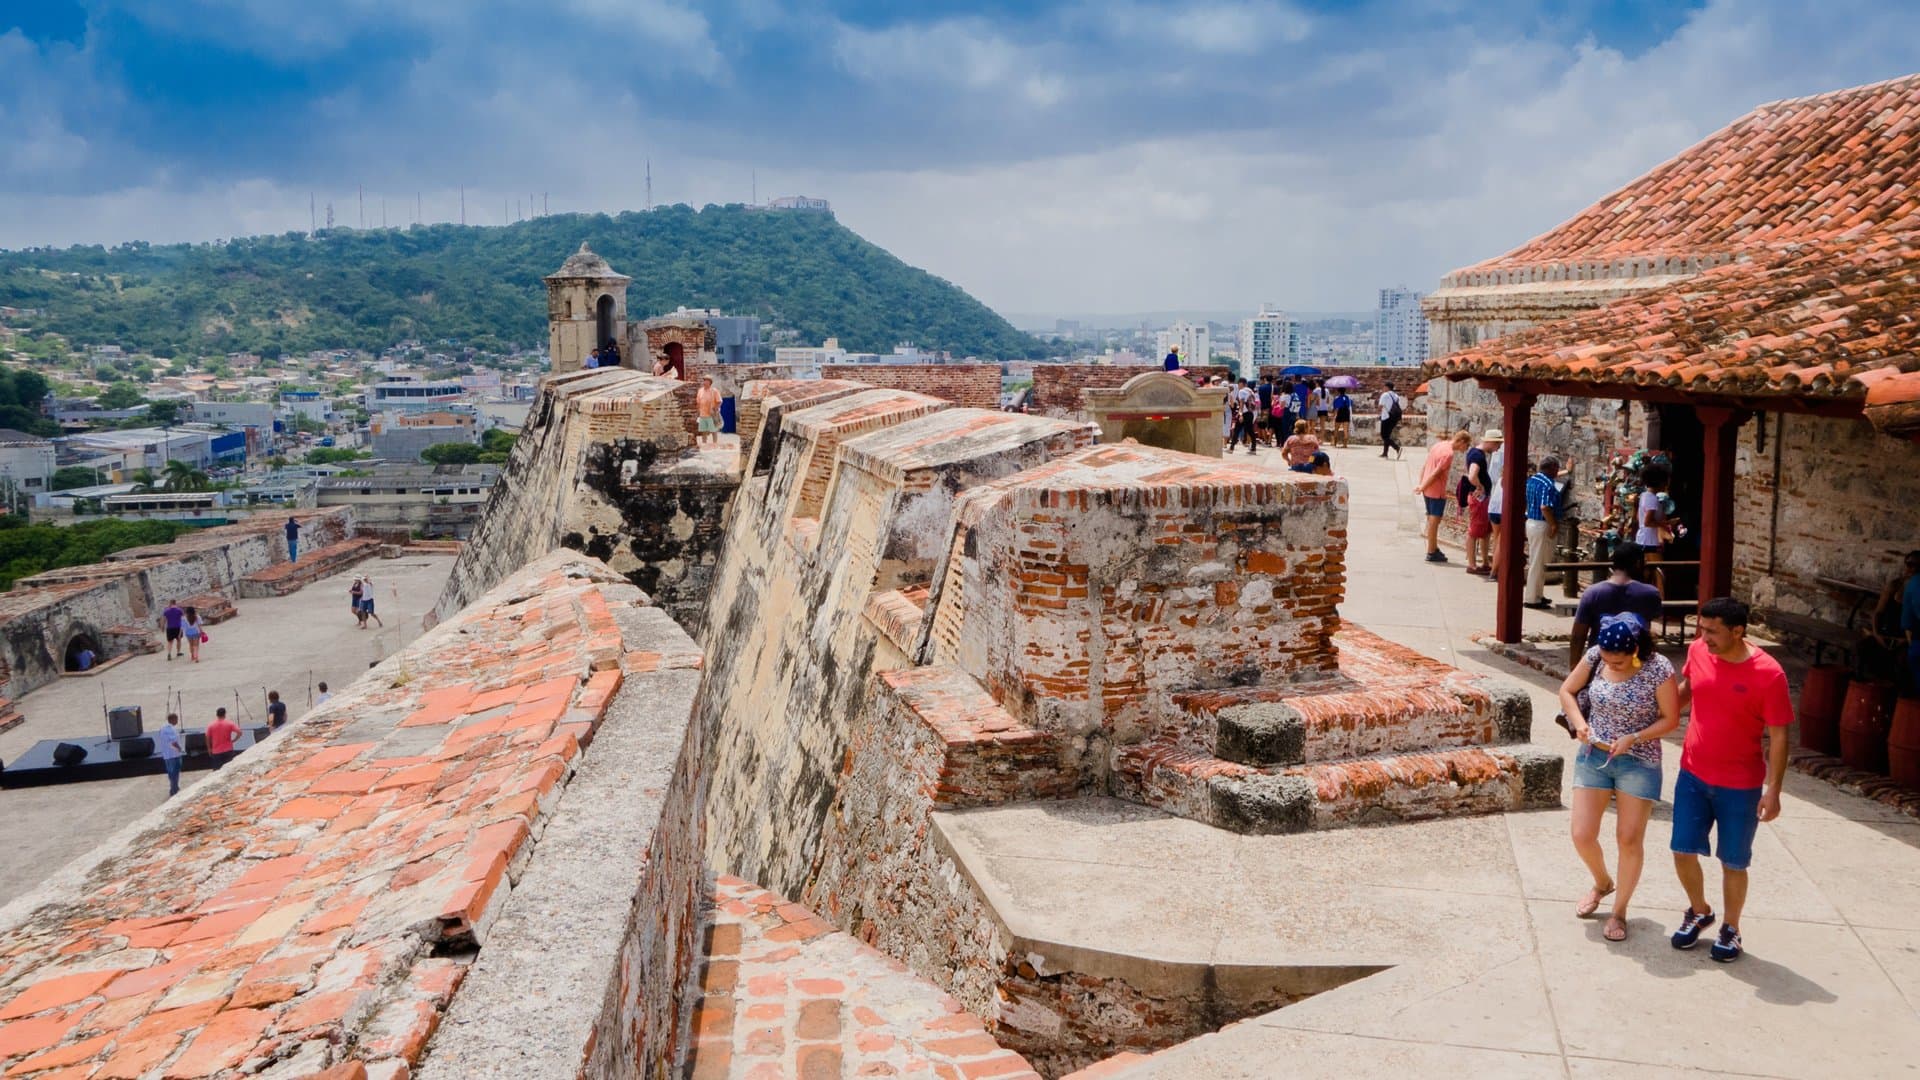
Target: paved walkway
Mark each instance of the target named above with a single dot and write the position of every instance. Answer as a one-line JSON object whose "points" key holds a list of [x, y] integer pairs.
{"points": [[1489, 970], [285, 643]]}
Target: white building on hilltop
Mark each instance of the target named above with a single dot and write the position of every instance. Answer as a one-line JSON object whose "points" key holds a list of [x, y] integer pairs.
{"points": [[1400, 327], [1269, 339], [1195, 343]]}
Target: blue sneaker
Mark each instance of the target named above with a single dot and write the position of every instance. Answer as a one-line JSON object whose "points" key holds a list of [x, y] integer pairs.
{"points": [[1727, 949], [1690, 926]]}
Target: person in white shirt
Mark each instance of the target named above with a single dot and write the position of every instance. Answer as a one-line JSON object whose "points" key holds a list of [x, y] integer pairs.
{"points": [[321, 698], [1650, 513], [1391, 406]]}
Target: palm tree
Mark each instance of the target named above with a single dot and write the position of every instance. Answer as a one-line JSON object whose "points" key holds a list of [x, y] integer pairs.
{"points": [[182, 476], [142, 479]]}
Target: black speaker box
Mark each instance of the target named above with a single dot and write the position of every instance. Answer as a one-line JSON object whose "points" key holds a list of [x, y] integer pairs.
{"points": [[69, 754], [137, 747], [123, 721], [196, 742]]}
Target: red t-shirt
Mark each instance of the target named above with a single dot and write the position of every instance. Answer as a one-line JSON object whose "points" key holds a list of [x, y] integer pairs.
{"points": [[1733, 704], [220, 735]]}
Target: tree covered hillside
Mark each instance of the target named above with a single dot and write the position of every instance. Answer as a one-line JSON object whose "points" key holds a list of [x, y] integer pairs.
{"points": [[481, 286]]}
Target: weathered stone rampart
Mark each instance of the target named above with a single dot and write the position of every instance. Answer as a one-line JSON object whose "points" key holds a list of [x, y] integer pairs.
{"points": [[607, 466]]}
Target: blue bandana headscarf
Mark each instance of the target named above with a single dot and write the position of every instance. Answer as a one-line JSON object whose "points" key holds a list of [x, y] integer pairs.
{"points": [[1620, 633]]}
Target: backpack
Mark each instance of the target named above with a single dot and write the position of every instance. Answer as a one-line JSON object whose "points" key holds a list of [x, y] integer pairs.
{"points": [[1393, 411]]}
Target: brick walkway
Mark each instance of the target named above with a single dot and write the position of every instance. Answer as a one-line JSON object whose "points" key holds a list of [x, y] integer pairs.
{"points": [[788, 996], [317, 904]]}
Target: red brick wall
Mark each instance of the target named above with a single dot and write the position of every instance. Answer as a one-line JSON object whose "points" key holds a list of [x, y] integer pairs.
{"points": [[1056, 387], [974, 386]]}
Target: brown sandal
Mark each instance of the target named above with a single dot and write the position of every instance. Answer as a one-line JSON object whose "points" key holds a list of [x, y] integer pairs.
{"points": [[1592, 903], [1616, 929]]}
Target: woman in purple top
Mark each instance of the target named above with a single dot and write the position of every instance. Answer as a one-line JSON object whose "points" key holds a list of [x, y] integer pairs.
{"points": [[1630, 701]]}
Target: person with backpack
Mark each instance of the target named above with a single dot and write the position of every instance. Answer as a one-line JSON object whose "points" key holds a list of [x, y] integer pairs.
{"points": [[1392, 408]]}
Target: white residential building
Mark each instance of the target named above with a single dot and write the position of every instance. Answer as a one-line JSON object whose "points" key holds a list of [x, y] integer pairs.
{"points": [[1195, 343], [1269, 339], [1400, 328]]}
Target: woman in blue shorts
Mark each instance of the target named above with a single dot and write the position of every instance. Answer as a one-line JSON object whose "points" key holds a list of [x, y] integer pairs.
{"points": [[1631, 700]]}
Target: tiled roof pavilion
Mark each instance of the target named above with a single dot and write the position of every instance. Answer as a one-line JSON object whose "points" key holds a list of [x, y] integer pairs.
{"points": [[1770, 267], [1779, 256]]}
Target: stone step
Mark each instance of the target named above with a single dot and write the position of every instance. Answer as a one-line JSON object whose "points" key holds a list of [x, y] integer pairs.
{"points": [[283, 578], [1384, 699], [212, 607], [1173, 777]]}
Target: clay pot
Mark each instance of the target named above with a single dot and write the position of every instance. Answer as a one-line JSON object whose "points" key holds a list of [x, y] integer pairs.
{"points": [[1822, 696], [1864, 723], [1903, 743]]}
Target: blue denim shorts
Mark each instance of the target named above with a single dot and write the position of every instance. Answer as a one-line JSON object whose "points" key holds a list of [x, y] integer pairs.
{"points": [[1436, 507], [1699, 807], [1625, 774]]}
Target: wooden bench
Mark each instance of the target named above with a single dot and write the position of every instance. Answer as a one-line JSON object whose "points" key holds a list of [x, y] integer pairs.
{"points": [[1819, 633]]}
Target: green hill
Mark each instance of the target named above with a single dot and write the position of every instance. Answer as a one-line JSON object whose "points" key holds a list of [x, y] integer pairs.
{"points": [[481, 286]]}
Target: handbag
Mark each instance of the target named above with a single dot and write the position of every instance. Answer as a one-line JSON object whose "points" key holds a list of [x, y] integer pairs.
{"points": [[1581, 698]]}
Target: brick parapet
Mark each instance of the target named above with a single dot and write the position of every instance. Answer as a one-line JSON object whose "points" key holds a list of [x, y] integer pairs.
{"points": [[1056, 387], [972, 386]]}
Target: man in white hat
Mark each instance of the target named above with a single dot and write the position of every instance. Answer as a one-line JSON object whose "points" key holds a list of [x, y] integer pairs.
{"points": [[1476, 489]]}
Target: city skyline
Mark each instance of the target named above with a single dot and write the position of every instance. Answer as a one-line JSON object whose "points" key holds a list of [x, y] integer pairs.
{"points": [[1135, 156]]}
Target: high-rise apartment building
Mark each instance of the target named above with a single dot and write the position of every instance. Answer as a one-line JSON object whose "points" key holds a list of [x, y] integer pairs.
{"points": [[1269, 339], [1400, 327], [1195, 343]]}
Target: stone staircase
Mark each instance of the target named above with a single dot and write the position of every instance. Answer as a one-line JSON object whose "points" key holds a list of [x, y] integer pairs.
{"points": [[287, 577], [1390, 736]]}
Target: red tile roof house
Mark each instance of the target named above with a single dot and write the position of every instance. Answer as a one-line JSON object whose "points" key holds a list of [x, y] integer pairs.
{"points": [[1749, 306]]}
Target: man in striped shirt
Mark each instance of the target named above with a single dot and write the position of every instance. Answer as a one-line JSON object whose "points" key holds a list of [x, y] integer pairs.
{"points": [[1543, 520]]}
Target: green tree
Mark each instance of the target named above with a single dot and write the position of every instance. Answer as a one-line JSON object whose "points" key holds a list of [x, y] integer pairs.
{"points": [[451, 453], [334, 455], [183, 476], [121, 395], [164, 413], [74, 476]]}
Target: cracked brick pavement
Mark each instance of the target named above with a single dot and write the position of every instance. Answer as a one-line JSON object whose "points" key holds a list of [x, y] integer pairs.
{"points": [[311, 910]]}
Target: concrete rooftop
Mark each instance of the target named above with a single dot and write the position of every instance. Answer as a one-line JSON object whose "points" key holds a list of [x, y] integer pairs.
{"points": [[1486, 969], [277, 643]]}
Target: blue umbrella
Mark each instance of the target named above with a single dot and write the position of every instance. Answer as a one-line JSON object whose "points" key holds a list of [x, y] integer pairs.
{"points": [[1299, 369]]}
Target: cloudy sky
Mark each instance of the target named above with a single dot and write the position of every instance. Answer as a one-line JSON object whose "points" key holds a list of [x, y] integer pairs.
{"points": [[1091, 156]]}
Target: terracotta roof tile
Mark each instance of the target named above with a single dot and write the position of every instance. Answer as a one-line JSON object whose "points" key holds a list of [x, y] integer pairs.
{"points": [[1822, 319], [1805, 169]]}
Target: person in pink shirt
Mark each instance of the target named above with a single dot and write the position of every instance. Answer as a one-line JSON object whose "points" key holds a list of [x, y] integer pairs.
{"points": [[1432, 486], [220, 737], [1727, 784]]}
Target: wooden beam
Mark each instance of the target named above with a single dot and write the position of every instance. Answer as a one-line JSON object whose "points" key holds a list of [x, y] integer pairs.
{"points": [[1517, 424], [1835, 408], [1719, 441]]}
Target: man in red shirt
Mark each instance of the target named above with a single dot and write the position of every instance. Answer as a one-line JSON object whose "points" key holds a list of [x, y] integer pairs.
{"points": [[1738, 694], [1432, 486], [220, 736]]}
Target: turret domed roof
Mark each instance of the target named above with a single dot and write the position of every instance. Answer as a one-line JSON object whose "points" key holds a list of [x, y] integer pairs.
{"points": [[585, 264]]}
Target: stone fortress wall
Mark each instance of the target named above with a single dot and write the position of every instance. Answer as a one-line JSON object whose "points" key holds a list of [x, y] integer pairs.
{"points": [[559, 834]]}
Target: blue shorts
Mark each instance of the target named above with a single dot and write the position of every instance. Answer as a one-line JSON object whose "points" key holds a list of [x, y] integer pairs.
{"points": [[1625, 774], [1436, 507], [1699, 807], [1493, 517]]}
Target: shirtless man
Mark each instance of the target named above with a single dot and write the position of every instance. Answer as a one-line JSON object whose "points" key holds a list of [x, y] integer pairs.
{"points": [[707, 404]]}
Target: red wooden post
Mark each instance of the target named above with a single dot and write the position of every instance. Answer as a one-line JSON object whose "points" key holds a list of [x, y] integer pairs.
{"points": [[1516, 425], [1716, 499]]}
